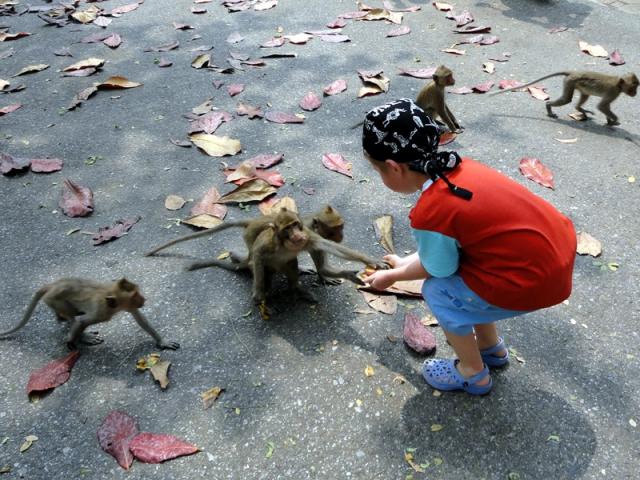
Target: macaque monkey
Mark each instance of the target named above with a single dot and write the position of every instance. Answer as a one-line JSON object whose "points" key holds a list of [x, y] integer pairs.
{"points": [[431, 98], [84, 303], [273, 243], [608, 87]]}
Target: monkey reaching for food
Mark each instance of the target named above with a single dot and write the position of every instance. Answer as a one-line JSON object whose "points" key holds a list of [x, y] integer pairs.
{"points": [[431, 98], [84, 303], [608, 87], [273, 243]]}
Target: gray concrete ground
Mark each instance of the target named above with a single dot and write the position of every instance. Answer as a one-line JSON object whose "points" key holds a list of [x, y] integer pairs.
{"points": [[570, 411]]}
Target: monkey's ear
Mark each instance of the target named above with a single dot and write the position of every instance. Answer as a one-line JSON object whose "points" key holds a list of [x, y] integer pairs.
{"points": [[328, 209], [284, 209], [126, 285], [112, 302]]}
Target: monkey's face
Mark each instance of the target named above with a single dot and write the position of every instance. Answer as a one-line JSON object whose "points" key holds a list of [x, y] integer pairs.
{"points": [[293, 237], [630, 85], [335, 234], [137, 300]]}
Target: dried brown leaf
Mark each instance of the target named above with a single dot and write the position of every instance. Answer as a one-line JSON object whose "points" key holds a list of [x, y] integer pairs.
{"points": [[387, 304], [32, 69], [252, 191], [117, 82], [252, 112], [208, 205], [88, 63], [588, 245], [160, 373], [337, 163], [210, 396], [425, 73], [121, 227], [202, 220], [174, 202], [383, 227], [214, 145]]}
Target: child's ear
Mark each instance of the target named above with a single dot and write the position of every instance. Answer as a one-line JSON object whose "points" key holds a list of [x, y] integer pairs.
{"points": [[393, 165]]}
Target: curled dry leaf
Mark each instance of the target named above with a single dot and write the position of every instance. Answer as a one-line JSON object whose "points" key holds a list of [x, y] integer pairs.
{"points": [[588, 245], [117, 82], [387, 304], [535, 170], [121, 227], [10, 108], [397, 32], [158, 447], [28, 441], [85, 72], [337, 23], [82, 96], [461, 90], [483, 87], [182, 26], [282, 117], [76, 200], [616, 58], [208, 205], [10, 164], [310, 102], [473, 29], [210, 396], [443, 7], [145, 363], [252, 191], [202, 60], [418, 72], [115, 435], [235, 89], [453, 51], [246, 171], [252, 112], [53, 374], [337, 163], [88, 63], [160, 372], [558, 29], [567, 140], [113, 41], [5, 37], [299, 38], [383, 227], [46, 165], [32, 69], [202, 220], [209, 122], [274, 205], [416, 336], [504, 84], [489, 67], [216, 146], [130, 7], [374, 83], [593, 50], [538, 92], [461, 20], [335, 87], [383, 14], [174, 202], [266, 160], [274, 42]]}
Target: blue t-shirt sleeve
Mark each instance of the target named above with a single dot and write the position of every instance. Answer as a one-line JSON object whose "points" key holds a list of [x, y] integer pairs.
{"points": [[438, 253]]}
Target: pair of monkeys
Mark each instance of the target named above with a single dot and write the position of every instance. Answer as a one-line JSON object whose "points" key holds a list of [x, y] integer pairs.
{"points": [[273, 243], [608, 87]]}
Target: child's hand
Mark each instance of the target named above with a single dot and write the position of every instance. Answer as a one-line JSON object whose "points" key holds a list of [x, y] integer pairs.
{"points": [[381, 279], [395, 260]]}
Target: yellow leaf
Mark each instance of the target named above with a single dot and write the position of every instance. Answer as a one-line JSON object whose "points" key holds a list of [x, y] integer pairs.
{"points": [[382, 303], [85, 16], [237, 410], [437, 393], [438, 461], [436, 427], [223, 255], [160, 372], [359, 402], [268, 208], [214, 145], [368, 371], [264, 311], [118, 82], [145, 363], [28, 441], [210, 396], [174, 202], [204, 220], [252, 191], [201, 61], [383, 227], [379, 391], [631, 179]]}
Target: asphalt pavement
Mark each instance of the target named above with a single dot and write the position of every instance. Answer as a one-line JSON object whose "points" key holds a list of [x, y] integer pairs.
{"points": [[297, 402]]}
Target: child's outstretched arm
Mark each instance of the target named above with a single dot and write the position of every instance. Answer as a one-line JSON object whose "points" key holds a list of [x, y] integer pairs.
{"points": [[406, 270]]}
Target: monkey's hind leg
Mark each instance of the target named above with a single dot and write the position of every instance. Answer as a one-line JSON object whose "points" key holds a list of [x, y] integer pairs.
{"points": [[77, 334], [291, 271], [581, 101], [567, 95], [234, 267], [605, 107]]}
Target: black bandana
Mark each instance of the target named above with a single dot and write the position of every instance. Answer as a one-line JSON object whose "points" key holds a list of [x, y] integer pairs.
{"points": [[403, 132]]}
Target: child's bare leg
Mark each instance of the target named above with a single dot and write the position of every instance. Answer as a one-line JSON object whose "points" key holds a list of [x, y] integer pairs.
{"points": [[466, 349], [487, 337]]}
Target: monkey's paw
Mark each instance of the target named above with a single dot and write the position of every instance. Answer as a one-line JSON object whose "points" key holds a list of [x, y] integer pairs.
{"points": [[168, 345], [91, 338], [329, 281]]}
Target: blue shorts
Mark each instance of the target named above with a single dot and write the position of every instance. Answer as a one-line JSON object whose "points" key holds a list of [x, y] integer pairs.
{"points": [[458, 308]]}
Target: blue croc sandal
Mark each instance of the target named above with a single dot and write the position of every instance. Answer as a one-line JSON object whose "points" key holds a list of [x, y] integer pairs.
{"points": [[443, 375], [491, 359]]}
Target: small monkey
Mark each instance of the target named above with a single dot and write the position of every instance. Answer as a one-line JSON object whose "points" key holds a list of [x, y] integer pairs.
{"points": [[608, 87], [84, 303], [431, 98], [273, 243]]}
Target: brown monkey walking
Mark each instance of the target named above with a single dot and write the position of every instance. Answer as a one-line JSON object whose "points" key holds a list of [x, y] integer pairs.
{"points": [[273, 243], [84, 303], [431, 98], [608, 87]]}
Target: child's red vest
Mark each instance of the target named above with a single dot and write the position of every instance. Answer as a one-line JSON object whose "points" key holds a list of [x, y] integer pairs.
{"points": [[516, 250]]}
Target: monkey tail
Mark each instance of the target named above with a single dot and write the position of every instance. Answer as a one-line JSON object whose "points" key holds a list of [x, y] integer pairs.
{"points": [[557, 74], [34, 301], [191, 236]]}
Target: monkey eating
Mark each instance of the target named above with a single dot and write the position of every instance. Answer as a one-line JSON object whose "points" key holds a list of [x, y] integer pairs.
{"points": [[431, 98], [608, 87], [273, 243], [84, 303]]}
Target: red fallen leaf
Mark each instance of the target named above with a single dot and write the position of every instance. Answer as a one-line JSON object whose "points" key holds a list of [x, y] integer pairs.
{"points": [[462, 19], [460, 90], [337, 23], [503, 84], [397, 32], [53, 374], [416, 336], [335, 38], [474, 29], [106, 234], [558, 29], [418, 72], [207, 205], [76, 200], [113, 41], [11, 164], [335, 87], [337, 163], [615, 58], [310, 102], [163, 48], [274, 42], [538, 92], [282, 117], [535, 170], [115, 435], [247, 172], [46, 165], [182, 26], [483, 87], [5, 37], [124, 9], [252, 112], [10, 108], [158, 447], [209, 122], [353, 15], [235, 88], [265, 160], [95, 37], [447, 137]]}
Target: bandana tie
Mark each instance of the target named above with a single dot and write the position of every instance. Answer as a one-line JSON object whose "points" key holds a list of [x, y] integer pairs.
{"points": [[403, 132]]}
